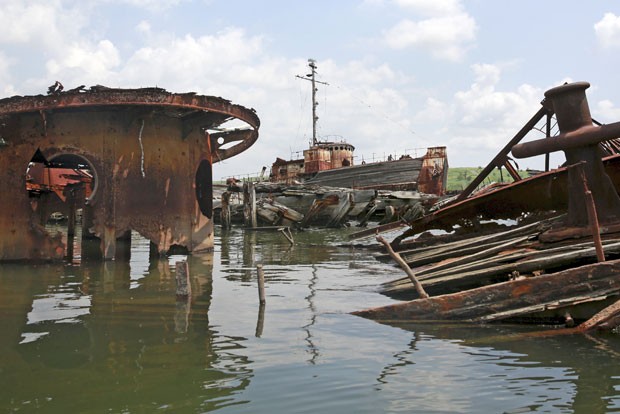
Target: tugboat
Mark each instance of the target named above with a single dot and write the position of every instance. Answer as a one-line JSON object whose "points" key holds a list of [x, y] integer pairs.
{"points": [[331, 163]]}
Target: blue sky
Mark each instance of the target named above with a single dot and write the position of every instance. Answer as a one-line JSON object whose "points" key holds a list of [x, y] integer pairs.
{"points": [[402, 74]]}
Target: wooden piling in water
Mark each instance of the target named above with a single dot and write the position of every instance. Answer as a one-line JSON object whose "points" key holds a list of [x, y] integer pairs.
{"points": [[249, 204], [261, 283], [260, 322], [225, 212]]}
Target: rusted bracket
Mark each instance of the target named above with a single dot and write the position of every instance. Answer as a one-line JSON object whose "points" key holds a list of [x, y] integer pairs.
{"points": [[501, 159]]}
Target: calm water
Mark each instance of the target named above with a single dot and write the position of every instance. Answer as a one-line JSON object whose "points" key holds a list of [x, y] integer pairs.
{"points": [[111, 338]]}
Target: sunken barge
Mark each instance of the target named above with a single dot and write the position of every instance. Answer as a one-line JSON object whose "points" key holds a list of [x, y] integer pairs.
{"points": [[558, 261]]}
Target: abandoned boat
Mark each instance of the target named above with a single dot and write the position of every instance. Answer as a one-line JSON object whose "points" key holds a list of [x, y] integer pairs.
{"points": [[332, 163], [560, 263]]}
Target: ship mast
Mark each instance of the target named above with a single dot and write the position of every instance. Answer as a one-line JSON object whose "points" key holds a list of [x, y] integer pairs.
{"points": [[312, 76]]}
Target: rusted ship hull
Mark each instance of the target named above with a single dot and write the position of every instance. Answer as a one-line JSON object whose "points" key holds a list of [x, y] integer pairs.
{"points": [[149, 153], [427, 174]]}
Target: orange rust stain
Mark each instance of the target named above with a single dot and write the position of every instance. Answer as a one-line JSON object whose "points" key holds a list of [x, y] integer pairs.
{"points": [[453, 303], [521, 290]]}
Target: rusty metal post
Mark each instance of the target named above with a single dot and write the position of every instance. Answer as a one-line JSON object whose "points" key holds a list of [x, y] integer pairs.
{"points": [[579, 140], [500, 158], [512, 171]]}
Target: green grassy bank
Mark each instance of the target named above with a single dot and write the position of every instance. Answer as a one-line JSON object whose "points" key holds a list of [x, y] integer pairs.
{"points": [[459, 178]]}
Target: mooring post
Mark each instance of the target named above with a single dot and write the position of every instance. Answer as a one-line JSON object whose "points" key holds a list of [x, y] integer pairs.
{"points": [[261, 283], [184, 287]]}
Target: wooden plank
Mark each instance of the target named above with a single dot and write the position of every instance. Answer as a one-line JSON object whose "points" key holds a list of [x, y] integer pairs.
{"points": [[606, 319], [541, 307], [481, 241], [480, 276], [401, 285], [475, 257], [592, 280], [526, 254], [484, 271]]}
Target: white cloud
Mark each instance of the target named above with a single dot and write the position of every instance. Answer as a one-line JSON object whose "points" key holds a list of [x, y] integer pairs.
{"points": [[608, 30], [435, 111], [149, 5], [41, 24], [607, 111], [475, 123], [447, 37], [84, 62], [214, 62], [432, 7], [143, 27], [7, 88], [482, 103]]}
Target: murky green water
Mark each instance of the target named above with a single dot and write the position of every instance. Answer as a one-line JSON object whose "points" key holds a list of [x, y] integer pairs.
{"points": [[112, 338]]}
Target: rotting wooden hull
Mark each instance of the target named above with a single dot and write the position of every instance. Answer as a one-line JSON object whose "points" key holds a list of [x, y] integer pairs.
{"points": [[549, 297]]}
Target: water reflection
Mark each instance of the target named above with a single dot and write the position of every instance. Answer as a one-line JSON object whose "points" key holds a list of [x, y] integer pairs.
{"points": [[112, 337], [548, 373], [312, 348], [116, 328]]}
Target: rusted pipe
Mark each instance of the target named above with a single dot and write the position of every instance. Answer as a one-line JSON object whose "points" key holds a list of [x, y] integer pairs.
{"points": [[582, 137]]}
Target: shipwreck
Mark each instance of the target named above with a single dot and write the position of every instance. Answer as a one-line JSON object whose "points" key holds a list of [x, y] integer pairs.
{"points": [[121, 159], [558, 260], [332, 164], [326, 187]]}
